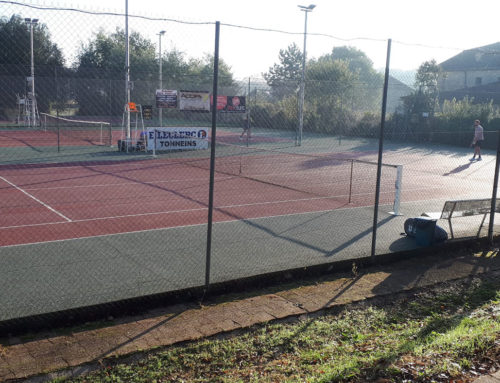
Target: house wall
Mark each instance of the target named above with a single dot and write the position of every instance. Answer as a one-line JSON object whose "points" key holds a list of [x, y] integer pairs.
{"points": [[395, 92], [466, 79]]}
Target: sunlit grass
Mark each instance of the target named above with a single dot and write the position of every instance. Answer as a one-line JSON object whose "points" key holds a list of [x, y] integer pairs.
{"points": [[422, 336]]}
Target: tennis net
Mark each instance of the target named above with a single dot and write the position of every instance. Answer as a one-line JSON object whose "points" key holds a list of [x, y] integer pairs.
{"points": [[319, 175], [76, 132]]}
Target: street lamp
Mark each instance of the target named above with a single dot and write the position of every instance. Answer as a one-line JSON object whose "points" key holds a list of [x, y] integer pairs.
{"points": [[306, 10], [31, 23], [127, 74], [161, 80]]}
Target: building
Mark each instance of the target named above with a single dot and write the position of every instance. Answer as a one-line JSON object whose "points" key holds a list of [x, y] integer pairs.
{"points": [[395, 93], [472, 68], [481, 94]]}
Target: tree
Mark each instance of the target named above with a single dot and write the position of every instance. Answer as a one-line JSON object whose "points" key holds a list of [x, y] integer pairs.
{"points": [[174, 69], [426, 81], [284, 77], [330, 90], [15, 63], [337, 86], [200, 72], [100, 70], [357, 61], [103, 58], [425, 97], [369, 83], [419, 106]]}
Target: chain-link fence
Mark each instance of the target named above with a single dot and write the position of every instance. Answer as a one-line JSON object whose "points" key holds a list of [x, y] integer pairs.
{"points": [[102, 201]]}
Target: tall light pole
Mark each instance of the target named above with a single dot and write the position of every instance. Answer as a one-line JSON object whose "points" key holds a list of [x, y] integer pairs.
{"points": [[161, 78], [127, 72], [306, 10], [31, 23]]}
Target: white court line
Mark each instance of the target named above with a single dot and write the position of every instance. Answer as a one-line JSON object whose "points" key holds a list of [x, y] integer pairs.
{"points": [[182, 227], [36, 199], [123, 183], [187, 211], [161, 212]]}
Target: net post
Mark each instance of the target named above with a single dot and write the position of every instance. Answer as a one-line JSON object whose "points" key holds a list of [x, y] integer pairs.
{"points": [[397, 197], [110, 132], [58, 136], [350, 181]]}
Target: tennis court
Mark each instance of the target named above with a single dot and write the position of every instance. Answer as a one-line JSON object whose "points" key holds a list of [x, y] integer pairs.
{"points": [[88, 224], [47, 202]]}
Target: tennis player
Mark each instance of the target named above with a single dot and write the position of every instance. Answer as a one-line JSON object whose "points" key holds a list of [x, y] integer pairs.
{"points": [[477, 140], [246, 127]]}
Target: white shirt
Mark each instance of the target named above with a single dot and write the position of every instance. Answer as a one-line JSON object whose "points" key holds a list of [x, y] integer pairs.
{"points": [[478, 133]]}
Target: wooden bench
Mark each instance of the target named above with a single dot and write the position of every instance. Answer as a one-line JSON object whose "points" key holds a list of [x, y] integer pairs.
{"points": [[465, 208]]}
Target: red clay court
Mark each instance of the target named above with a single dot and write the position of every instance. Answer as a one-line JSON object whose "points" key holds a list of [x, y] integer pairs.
{"points": [[55, 202]]}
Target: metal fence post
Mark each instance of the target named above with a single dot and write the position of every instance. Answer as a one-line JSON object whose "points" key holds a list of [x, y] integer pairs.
{"points": [[212, 157], [380, 149], [494, 194]]}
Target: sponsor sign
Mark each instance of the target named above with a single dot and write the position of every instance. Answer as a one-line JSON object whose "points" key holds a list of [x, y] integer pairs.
{"points": [[177, 138], [166, 98], [230, 104], [198, 101], [147, 112]]}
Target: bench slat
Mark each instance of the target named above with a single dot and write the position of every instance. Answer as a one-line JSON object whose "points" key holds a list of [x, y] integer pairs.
{"points": [[464, 208]]}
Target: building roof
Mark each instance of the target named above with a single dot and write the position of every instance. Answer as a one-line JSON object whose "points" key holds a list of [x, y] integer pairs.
{"points": [[481, 58], [394, 82]]}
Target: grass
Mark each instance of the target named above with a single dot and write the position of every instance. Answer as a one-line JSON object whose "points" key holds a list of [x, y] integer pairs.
{"points": [[448, 332]]}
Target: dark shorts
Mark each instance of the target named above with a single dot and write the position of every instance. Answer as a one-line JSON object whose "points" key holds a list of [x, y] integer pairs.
{"points": [[478, 143]]}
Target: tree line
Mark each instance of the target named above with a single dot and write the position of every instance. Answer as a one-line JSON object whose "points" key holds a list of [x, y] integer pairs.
{"points": [[343, 90], [96, 80]]}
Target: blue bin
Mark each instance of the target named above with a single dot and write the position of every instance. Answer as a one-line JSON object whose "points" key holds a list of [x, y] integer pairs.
{"points": [[424, 231]]}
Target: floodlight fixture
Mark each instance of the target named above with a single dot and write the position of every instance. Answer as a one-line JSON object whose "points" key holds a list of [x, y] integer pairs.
{"points": [[308, 8]]}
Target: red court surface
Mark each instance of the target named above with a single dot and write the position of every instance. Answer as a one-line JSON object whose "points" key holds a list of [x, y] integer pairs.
{"points": [[56, 202], [50, 202]]}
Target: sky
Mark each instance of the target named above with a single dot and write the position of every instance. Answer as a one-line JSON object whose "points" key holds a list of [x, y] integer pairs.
{"points": [[419, 30]]}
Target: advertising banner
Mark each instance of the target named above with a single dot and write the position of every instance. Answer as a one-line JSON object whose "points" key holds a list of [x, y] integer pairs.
{"points": [[176, 138], [166, 98], [194, 100], [230, 104], [147, 112]]}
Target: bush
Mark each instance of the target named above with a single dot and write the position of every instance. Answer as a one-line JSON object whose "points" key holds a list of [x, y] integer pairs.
{"points": [[451, 125]]}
